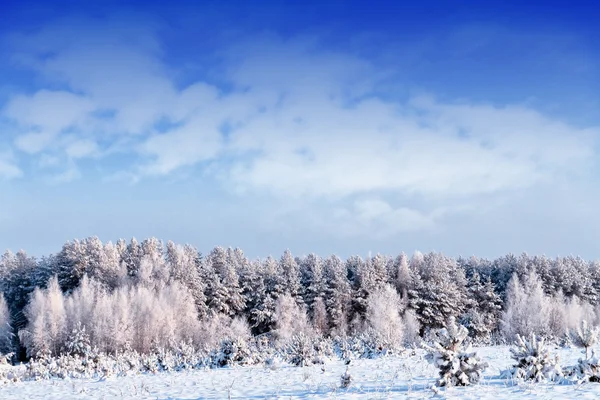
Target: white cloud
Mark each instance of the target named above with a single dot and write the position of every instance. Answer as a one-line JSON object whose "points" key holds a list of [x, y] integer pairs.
{"points": [[378, 214], [81, 149], [43, 116], [423, 149], [300, 123]]}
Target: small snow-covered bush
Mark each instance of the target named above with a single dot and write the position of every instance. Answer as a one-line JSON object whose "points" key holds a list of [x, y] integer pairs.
{"points": [[345, 380], [458, 365], [232, 351], [534, 362], [303, 350], [587, 369]]}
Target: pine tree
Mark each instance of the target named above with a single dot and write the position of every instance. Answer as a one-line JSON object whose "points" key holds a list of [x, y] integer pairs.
{"points": [[482, 318], [441, 290], [403, 279], [6, 334], [224, 292], [313, 282], [458, 365], [338, 295], [289, 276], [533, 361], [73, 265]]}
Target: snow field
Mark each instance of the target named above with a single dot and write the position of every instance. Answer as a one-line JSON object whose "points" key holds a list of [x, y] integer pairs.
{"points": [[405, 376]]}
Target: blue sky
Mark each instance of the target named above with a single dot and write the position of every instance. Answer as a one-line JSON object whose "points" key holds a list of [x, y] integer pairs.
{"points": [[343, 127]]}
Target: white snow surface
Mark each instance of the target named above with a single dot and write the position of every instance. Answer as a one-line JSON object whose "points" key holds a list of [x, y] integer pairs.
{"points": [[394, 377]]}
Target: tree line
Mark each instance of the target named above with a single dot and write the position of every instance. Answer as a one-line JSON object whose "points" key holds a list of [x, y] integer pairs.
{"points": [[148, 294]]}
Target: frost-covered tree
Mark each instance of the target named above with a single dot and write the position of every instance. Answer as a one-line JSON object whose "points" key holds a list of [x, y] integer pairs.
{"points": [[184, 267], [46, 331], [6, 335], [319, 316], [290, 319], [403, 279], [384, 308], [527, 308], [584, 336]]}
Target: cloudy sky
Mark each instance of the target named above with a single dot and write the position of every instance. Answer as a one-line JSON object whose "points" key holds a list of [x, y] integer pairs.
{"points": [[343, 127]]}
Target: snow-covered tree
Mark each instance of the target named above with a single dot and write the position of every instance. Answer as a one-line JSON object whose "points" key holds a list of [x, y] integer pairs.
{"points": [[289, 275], [6, 335], [384, 316], [527, 308], [224, 291], [458, 364], [403, 279], [440, 289], [588, 368], [533, 361], [290, 319], [338, 295], [585, 336], [482, 318], [46, 331], [255, 280], [312, 280]]}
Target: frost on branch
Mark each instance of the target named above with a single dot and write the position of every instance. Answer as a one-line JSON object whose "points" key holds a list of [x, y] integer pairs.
{"points": [[534, 362], [458, 365], [584, 337]]}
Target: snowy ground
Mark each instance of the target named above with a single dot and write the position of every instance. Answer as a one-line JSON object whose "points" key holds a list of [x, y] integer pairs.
{"points": [[408, 376]]}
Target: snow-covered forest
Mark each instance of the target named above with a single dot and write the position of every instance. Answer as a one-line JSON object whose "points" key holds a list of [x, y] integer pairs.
{"points": [[147, 296]]}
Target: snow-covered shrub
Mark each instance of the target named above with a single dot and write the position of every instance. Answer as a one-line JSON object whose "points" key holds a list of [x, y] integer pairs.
{"points": [[533, 361], [588, 368], [345, 379], [231, 352], [371, 344], [458, 365], [303, 350]]}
